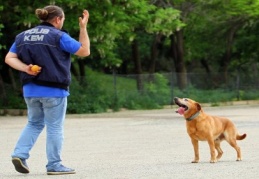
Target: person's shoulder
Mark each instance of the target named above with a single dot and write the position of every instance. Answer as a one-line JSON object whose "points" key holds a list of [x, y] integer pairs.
{"points": [[65, 36], [20, 33]]}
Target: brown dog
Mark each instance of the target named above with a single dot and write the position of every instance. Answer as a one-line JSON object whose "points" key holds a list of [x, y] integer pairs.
{"points": [[203, 127]]}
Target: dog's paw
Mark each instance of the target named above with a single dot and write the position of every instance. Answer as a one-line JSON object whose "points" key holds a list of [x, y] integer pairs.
{"points": [[213, 161], [195, 161], [239, 159]]}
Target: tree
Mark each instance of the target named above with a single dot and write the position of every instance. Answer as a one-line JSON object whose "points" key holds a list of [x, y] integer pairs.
{"points": [[210, 35], [145, 20], [177, 47], [137, 36]]}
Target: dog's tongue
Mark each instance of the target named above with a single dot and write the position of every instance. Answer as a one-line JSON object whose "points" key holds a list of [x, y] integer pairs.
{"points": [[180, 110]]}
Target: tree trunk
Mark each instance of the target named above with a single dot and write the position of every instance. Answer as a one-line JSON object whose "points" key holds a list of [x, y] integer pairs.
{"points": [[178, 58], [81, 65], [209, 81], [153, 56], [74, 72], [137, 63], [206, 66], [154, 53], [3, 95], [226, 58], [12, 79]]}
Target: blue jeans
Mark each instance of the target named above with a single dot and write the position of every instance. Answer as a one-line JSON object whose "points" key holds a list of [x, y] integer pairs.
{"points": [[43, 111]]}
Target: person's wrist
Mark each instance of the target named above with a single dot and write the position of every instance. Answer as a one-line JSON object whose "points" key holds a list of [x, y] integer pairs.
{"points": [[83, 28]]}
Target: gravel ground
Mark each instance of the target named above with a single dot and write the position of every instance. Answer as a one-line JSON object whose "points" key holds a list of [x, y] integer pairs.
{"points": [[149, 144]]}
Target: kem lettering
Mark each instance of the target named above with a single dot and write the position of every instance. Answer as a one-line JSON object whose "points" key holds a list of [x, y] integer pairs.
{"points": [[33, 38]]}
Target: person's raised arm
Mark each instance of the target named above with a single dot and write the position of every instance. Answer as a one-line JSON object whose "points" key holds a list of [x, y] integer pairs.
{"points": [[84, 50]]}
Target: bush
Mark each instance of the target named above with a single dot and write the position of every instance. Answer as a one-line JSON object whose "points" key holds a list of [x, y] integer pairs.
{"points": [[88, 98], [101, 92], [14, 99], [98, 94]]}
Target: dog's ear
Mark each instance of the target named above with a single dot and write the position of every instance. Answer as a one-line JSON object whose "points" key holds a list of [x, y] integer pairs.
{"points": [[198, 106]]}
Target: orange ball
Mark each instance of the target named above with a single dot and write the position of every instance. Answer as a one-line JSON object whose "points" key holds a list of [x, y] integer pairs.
{"points": [[35, 68]]}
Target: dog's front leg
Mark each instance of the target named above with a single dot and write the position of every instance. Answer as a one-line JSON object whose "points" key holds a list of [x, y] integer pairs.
{"points": [[212, 150], [195, 144]]}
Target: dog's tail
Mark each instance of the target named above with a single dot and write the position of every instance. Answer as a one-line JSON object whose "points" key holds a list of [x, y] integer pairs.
{"points": [[240, 137]]}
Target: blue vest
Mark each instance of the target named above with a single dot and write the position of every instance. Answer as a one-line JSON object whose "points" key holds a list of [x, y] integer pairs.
{"points": [[41, 46]]}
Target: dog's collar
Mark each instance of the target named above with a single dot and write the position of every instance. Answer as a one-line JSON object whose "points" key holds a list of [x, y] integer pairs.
{"points": [[193, 116]]}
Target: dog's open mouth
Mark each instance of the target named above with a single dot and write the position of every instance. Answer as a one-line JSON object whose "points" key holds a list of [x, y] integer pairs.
{"points": [[182, 108]]}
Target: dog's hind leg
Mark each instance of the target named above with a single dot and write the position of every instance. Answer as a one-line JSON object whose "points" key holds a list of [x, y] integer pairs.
{"points": [[233, 143], [230, 137], [218, 148]]}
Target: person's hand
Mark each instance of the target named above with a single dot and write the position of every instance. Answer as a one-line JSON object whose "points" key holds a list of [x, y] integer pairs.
{"points": [[83, 21], [29, 71]]}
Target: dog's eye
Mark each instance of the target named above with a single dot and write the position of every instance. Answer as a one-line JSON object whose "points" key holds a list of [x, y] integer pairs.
{"points": [[185, 99]]}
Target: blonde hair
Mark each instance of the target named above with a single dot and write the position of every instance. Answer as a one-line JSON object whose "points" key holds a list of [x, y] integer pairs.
{"points": [[49, 12]]}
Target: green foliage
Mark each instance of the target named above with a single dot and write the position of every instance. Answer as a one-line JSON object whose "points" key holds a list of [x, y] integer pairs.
{"points": [[165, 21], [113, 25], [1, 27], [88, 98], [111, 22], [141, 101], [102, 93], [15, 100], [116, 23], [99, 93], [109, 92], [243, 8], [158, 89], [207, 96], [155, 95]]}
